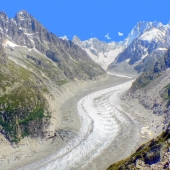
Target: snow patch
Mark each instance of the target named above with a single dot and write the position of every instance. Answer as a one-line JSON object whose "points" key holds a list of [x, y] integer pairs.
{"points": [[104, 59], [22, 19], [154, 34], [9, 43], [127, 60], [144, 56], [21, 12], [92, 48], [161, 49]]}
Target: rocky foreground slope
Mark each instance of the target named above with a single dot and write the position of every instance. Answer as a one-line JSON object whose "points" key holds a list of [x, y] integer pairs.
{"points": [[154, 155], [152, 90]]}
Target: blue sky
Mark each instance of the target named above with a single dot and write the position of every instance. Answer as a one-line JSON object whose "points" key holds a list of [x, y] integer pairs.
{"points": [[91, 18]]}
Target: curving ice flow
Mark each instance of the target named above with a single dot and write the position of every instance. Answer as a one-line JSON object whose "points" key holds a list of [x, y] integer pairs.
{"points": [[100, 116]]}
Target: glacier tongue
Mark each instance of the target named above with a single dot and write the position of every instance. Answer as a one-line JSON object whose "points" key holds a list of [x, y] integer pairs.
{"points": [[101, 121]]}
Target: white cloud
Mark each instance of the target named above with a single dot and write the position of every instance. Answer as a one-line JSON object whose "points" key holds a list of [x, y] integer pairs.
{"points": [[107, 36], [64, 37], [120, 33]]}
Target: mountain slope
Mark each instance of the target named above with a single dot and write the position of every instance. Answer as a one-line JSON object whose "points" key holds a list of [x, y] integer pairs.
{"points": [[23, 109], [34, 64], [151, 88], [141, 43], [140, 28], [145, 50], [26, 31], [100, 52]]}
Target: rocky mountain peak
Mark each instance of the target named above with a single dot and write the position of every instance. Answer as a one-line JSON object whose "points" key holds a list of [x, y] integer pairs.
{"points": [[22, 16], [76, 40], [25, 21], [140, 28], [3, 16], [22, 13]]}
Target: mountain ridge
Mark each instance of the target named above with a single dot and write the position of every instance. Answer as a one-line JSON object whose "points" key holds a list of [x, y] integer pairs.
{"points": [[35, 63], [108, 53], [145, 50]]}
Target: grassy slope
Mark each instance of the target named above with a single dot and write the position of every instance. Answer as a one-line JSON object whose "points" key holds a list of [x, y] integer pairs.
{"points": [[21, 102]]}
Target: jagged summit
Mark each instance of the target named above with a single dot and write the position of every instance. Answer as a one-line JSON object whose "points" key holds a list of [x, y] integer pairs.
{"points": [[2, 13], [25, 31], [23, 11], [76, 40], [3, 16], [22, 15], [140, 28], [148, 42]]}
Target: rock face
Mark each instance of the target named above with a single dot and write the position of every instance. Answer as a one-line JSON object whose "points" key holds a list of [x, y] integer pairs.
{"points": [[151, 88], [149, 43], [3, 56], [152, 155], [160, 66], [25, 30]]}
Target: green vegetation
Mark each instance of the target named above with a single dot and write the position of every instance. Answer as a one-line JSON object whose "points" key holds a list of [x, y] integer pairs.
{"points": [[61, 82], [144, 79], [20, 72], [166, 93], [22, 106], [6, 79], [17, 109], [38, 113]]}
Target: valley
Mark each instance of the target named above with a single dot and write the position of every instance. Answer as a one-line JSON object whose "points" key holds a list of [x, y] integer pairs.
{"points": [[73, 104], [106, 128]]}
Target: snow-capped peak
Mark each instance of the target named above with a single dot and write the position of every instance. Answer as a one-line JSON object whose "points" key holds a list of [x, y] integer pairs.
{"points": [[140, 28], [154, 34], [101, 52]]}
